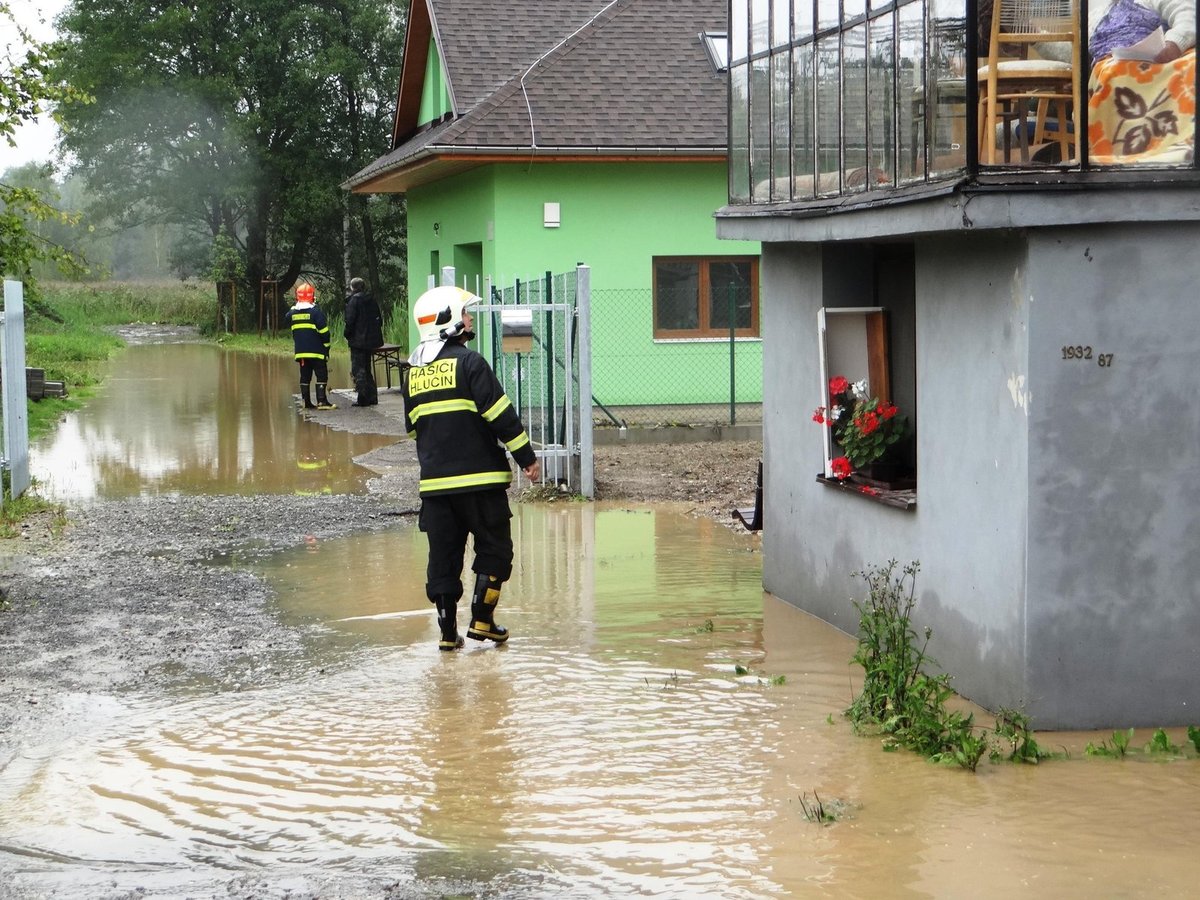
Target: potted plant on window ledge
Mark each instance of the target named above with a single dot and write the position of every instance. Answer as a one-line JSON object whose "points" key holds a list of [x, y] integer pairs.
{"points": [[870, 433]]}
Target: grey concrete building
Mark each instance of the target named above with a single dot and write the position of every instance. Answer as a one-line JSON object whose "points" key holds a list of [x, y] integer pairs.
{"points": [[1037, 322]]}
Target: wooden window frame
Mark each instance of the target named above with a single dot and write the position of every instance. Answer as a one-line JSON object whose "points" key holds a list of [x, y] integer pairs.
{"points": [[704, 331]]}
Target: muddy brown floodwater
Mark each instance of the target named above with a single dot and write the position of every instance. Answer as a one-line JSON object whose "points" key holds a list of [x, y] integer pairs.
{"points": [[237, 693]]}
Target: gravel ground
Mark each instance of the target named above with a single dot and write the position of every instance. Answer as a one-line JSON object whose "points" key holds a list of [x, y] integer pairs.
{"points": [[126, 598]]}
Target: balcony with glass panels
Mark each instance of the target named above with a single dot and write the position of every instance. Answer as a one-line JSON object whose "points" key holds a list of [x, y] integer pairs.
{"points": [[849, 102]]}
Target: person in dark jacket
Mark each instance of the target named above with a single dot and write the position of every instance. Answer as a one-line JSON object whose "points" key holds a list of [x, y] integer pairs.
{"points": [[310, 339], [364, 333], [463, 423]]}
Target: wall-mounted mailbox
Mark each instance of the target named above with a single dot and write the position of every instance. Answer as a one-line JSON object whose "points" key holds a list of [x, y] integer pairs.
{"points": [[516, 330]]}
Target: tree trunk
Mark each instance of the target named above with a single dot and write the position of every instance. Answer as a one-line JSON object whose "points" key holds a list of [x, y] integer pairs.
{"points": [[256, 251], [372, 252]]}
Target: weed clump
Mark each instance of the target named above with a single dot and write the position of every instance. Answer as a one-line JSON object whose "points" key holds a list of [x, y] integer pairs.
{"points": [[899, 697], [907, 704]]}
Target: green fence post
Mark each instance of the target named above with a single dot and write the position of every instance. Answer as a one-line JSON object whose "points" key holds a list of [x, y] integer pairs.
{"points": [[732, 376], [550, 350]]}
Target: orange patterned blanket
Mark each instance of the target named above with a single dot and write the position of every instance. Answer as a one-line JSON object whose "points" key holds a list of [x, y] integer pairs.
{"points": [[1141, 112]]}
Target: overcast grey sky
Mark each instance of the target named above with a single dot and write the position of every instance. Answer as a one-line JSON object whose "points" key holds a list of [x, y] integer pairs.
{"points": [[35, 141]]}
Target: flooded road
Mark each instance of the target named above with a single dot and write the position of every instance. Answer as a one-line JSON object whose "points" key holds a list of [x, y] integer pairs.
{"points": [[196, 418], [650, 730]]}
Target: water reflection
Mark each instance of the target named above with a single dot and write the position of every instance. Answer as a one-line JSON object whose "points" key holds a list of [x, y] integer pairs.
{"points": [[196, 419], [634, 737]]}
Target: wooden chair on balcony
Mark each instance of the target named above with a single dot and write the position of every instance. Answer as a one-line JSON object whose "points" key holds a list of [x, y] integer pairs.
{"points": [[1013, 86]]}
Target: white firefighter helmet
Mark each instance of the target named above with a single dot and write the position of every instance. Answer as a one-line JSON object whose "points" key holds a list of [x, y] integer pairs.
{"points": [[439, 312]]}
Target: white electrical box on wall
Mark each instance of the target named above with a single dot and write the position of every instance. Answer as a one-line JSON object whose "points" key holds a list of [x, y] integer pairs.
{"points": [[550, 215]]}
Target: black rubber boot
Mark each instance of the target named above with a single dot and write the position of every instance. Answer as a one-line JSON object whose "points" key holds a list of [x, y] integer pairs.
{"points": [[368, 394], [322, 400], [306, 394], [483, 610], [447, 611]]}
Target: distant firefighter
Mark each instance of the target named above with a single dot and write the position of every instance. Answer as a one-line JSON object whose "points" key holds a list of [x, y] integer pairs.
{"points": [[310, 337]]}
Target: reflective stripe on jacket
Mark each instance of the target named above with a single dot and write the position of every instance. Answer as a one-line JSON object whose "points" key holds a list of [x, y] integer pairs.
{"points": [[463, 422], [310, 331]]}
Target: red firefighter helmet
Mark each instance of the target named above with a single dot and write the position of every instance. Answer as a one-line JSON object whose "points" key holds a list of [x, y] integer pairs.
{"points": [[305, 293]]}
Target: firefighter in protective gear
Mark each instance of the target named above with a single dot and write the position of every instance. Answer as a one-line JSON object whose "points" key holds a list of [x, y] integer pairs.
{"points": [[463, 423], [310, 338]]}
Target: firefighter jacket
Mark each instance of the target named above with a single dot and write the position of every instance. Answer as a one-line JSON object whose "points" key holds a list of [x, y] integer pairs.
{"points": [[462, 421], [310, 331]]}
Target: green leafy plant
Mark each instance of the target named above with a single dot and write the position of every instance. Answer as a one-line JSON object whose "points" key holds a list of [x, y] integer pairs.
{"points": [[898, 696], [1161, 743], [1012, 728], [1120, 745], [964, 746], [1193, 734]]}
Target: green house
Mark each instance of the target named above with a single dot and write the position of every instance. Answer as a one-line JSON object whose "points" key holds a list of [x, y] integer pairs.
{"points": [[527, 143]]}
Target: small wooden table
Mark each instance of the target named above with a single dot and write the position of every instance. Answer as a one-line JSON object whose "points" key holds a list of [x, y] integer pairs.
{"points": [[389, 354]]}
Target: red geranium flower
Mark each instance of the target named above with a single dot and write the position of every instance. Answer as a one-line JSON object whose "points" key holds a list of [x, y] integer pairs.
{"points": [[841, 468], [887, 411], [819, 415], [867, 422], [838, 385]]}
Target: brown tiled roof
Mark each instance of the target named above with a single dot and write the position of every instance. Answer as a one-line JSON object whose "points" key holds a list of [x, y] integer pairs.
{"points": [[572, 78]]}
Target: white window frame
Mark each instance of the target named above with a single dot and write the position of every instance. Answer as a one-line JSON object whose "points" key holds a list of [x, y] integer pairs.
{"points": [[845, 348]]}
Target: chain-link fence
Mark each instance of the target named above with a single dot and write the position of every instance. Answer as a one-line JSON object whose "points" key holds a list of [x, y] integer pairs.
{"points": [[639, 380]]}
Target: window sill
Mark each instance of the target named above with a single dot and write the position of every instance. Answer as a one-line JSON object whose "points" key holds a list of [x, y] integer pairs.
{"points": [[906, 500]]}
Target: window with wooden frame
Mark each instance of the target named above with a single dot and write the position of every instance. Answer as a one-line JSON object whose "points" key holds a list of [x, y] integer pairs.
{"points": [[856, 353], [854, 346], [705, 297]]}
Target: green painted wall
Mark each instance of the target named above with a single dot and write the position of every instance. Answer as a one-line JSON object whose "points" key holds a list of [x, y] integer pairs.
{"points": [[442, 216], [615, 217], [435, 97]]}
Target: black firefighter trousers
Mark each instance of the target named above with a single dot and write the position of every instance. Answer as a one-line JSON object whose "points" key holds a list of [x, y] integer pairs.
{"points": [[447, 519]]}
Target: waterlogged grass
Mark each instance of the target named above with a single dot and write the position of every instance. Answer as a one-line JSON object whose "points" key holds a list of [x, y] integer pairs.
{"points": [[279, 344], [70, 354]]}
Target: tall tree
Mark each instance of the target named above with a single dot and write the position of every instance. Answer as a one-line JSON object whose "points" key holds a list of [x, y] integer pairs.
{"points": [[26, 89], [234, 115]]}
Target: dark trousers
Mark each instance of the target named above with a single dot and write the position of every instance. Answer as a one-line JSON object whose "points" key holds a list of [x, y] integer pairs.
{"points": [[447, 520], [311, 367], [363, 374]]}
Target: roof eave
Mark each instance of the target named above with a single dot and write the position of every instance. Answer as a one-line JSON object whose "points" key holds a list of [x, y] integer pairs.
{"points": [[434, 164]]}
